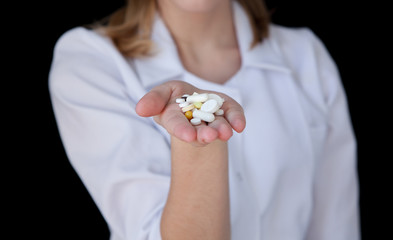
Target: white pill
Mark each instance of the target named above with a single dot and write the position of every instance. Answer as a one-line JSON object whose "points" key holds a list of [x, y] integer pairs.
{"points": [[195, 121], [210, 106], [219, 99], [185, 95], [219, 112], [207, 117], [180, 100], [198, 98], [188, 108], [184, 104]]}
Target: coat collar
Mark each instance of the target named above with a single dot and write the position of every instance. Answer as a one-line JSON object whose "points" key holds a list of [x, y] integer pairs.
{"points": [[166, 65]]}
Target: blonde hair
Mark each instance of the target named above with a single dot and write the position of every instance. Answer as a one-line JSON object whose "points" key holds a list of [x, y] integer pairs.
{"points": [[130, 26]]}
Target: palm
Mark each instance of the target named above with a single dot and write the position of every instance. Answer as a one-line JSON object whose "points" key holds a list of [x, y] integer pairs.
{"points": [[160, 103]]}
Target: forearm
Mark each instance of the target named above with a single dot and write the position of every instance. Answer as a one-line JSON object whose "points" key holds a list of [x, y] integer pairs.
{"points": [[198, 201]]}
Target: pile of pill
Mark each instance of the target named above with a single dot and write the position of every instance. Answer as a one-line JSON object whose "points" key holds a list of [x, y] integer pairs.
{"points": [[201, 107]]}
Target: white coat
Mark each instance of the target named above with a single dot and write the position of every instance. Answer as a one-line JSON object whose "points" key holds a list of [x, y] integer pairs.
{"points": [[292, 171]]}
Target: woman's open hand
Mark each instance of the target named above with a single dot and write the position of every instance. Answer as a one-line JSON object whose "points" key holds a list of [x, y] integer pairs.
{"points": [[160, 103]]}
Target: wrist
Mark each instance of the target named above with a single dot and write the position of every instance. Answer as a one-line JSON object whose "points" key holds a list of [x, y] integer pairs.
{"points": [[195, 155]]}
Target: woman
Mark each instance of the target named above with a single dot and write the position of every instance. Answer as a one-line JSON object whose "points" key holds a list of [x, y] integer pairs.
{"points": [[290, 174]]}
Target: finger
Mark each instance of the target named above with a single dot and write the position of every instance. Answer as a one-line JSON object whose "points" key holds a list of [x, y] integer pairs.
{"points": [[155, 101], [234, 114], [223, 128], [205, 134], [174, 121]]}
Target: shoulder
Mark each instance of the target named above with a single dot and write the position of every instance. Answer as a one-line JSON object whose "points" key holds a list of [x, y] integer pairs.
{"points": [[79, 38], [301, 49], [293, 43], [78, 55], [310, 62], [84, 59], [286, 33], [300, 37], [85, 51], [80, 44]]}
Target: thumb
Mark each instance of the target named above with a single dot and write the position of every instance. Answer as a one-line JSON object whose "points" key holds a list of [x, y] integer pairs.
{"points": [[154, 102]]}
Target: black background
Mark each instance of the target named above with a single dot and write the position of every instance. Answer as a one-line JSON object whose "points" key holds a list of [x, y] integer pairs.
{"points": [[45, 197]]}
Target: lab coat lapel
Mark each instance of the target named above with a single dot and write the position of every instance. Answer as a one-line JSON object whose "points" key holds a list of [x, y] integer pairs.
{"points": [[262, 56]]}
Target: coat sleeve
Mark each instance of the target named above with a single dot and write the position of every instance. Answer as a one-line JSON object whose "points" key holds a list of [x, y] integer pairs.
{"points": [[335, 211], [122, 159]]}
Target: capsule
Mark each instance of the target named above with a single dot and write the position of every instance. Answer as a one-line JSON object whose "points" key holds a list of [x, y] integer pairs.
{"points": [[188, 108], [219, 99], [210, 106], [180, 100], [195, 121], [219, 112], [197, 98], [184, 104], [207, 117]]}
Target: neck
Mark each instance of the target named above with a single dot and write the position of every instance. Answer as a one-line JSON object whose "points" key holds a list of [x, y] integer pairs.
{"points": [[200, 31]]}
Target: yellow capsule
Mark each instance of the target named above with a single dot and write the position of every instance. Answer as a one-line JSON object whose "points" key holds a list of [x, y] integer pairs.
{"points": [[188, 115], [198, 104]]}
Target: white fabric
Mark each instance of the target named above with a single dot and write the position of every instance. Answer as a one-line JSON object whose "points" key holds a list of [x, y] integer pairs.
{"points": [[292, 172]]}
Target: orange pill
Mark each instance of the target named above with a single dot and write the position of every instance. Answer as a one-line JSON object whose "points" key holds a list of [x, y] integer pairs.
{"points": [[188, 115]]}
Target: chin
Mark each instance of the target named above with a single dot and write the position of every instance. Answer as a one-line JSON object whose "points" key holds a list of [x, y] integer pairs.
{"points": [[197, 6]]}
